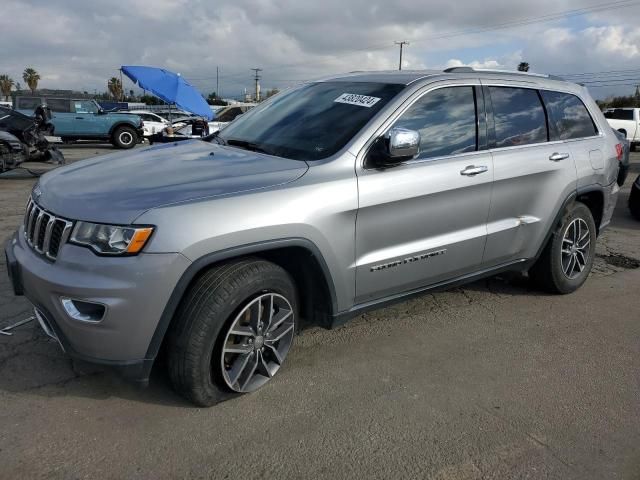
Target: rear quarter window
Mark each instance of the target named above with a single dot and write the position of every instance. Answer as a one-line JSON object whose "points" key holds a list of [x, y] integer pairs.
{"points": [[619, 114], [568, 116], [59, 105], [28, 103]]}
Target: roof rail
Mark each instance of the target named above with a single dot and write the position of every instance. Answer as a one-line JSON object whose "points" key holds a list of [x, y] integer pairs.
{"points": [[508, 72]]}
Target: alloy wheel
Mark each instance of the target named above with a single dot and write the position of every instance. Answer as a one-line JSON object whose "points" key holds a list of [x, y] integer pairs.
{"points": [[257, 342], [575, 248], [126, 138]]}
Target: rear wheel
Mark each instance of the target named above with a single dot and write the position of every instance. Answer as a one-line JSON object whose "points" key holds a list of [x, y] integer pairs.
{"points": [[233, 331], [568, 257], [124, 137], [634, 200]]}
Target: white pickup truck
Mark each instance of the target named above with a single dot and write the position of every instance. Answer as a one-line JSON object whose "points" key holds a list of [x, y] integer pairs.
{"points": [[627, 121]]}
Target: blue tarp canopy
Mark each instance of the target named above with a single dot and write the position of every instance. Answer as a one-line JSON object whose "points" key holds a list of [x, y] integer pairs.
{"points": [[170, 87]]}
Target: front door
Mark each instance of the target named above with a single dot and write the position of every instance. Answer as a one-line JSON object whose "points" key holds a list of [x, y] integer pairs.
{"points": [[424, 221]]}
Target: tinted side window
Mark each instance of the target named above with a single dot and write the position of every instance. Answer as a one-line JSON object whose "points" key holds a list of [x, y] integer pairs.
{"points": [[59, 105], [446, 120], [519, 116], [568, 117], [621, 114], [28, 103]]}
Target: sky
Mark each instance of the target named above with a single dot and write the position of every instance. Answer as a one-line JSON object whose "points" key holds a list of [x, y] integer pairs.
{"points": [[80, 44]]}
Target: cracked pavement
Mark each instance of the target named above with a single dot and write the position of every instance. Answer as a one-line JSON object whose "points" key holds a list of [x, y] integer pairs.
{"points": [[491, 380]]}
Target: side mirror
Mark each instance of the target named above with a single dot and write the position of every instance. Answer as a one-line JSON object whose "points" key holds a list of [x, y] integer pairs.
{"points": [[397, 146], [101, 111], [404, 144]]}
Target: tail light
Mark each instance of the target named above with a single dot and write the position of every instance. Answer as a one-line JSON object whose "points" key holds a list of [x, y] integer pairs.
{"points": [[619, 151]]}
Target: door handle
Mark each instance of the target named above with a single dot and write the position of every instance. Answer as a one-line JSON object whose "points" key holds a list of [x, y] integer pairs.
{"points": [[556, 157], [79, 118], [472, 170]]}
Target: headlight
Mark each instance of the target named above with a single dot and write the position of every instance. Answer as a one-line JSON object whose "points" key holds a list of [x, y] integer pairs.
{"points": [[111, 239]]}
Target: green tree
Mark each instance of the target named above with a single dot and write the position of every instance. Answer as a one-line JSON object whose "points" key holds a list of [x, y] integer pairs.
{"points": [[214, 99], [151, 100], [115, 88], [31, 78], [523, 67], [6, 83], [271, 93]]}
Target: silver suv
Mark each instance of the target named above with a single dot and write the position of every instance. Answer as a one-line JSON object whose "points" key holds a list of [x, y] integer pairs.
{"points": [[327, 200]]}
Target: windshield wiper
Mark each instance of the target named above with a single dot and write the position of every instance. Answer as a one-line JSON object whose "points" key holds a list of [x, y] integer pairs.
{"points": [[253, 147]]}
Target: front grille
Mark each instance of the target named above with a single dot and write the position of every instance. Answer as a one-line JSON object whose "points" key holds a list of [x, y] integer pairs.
{"points": [[44, 232]]}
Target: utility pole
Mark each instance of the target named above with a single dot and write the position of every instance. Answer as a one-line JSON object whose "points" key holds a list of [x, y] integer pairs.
{"points": [[402, 43], [217, 83], [121, 87], [257, 80]]}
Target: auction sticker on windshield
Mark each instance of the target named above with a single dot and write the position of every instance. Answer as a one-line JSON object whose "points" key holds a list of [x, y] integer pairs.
{"points": [[355, 99]]}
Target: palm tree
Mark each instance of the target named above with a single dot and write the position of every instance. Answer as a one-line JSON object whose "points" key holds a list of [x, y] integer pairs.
{"points": [[31, 77], [523, 67], [115, 88], [5, 85]]}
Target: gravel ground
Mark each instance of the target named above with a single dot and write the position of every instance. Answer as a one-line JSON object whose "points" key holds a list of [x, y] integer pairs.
{"points": [[493, 380]]}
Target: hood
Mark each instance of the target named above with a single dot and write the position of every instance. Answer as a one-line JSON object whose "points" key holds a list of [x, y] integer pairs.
{"points": [[118, 188]]}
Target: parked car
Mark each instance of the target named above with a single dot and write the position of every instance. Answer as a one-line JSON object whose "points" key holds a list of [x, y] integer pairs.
{"points": [[634, 199], [226, 115], [24, 138], [624, 158], [626, 121], [85, 120], [182, 129], [151, 122], [328, 200]]}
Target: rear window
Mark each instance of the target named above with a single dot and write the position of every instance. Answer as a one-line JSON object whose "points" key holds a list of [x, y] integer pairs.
{"points": [[27, 103], [61, 105], [519, 116], [619, 114], [568, 117]]}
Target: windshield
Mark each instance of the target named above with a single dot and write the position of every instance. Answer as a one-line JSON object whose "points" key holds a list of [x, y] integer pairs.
{"points": [[312, 122]]}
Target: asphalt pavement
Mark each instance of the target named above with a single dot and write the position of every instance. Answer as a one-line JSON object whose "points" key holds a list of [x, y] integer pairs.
{"points": [[492, 380]]}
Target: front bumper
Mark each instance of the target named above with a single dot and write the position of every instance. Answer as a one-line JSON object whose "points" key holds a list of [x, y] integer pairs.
{"points": [[134, 290]]}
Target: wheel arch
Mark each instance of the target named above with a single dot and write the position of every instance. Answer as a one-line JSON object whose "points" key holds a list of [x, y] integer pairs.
{"points": [[300, 257], [593, 198], [121, 123]]}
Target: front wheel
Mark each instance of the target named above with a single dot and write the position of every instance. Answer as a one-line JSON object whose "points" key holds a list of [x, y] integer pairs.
{"points": [[568, 257], [233, 331], [124, 137]]}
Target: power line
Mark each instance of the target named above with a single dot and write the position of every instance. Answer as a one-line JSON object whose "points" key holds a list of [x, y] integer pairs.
{"points": [[541, 19]]}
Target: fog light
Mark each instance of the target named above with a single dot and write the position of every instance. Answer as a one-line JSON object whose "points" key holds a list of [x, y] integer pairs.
{"points": [[83, 311]]}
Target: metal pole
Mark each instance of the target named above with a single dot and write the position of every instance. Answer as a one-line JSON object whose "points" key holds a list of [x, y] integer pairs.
{"points": [[121, 87], [257, 80], [402, 43], [217, 83]]}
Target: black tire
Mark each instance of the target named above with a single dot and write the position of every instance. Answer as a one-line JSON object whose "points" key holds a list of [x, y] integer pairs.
{"points": [[124, 137], [204, 319], [634, 200], [547, 273]]}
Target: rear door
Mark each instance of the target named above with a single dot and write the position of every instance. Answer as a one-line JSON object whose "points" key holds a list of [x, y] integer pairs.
{"points": [[533, 174], [61, 116], [571, 122], [424, 221]]}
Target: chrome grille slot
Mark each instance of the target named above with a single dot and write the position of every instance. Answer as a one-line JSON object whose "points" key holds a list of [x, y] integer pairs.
{"points": [[44, 232]]}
